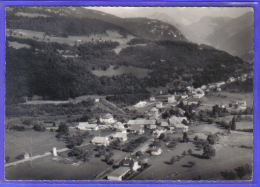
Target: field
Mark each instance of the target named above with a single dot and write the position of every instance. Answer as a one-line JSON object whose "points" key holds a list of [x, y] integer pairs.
{"points": [[138, 72], [17, 45], [71, 40], [229, 155], [213, 99]]}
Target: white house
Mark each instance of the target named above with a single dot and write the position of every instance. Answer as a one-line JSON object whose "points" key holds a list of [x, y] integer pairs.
{"points": [[121, 136], [118, 125], [152, 99], [159, 105], [156, 151], [153, 113], [118, 174], [99, 140], [136, 129], [140, 104], [107, 118], [174, 120], [241, 104], [181, 127], [171, 99], [87, 126]]}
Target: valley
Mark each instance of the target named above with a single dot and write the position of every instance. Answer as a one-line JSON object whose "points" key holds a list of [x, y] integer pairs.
{"points": [[94, 96]]}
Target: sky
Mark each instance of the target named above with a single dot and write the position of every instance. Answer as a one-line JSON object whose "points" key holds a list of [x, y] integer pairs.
{"points": [[183, 15]]}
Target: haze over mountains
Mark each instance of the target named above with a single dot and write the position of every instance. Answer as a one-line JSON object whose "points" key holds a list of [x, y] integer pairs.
{"points": [[234, 35]]}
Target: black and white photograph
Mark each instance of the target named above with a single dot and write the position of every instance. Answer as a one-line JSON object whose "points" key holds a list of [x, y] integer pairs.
{"points": [[129, 93]]}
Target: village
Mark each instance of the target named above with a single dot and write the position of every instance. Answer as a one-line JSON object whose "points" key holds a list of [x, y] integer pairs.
{"points": [[168, 129]]}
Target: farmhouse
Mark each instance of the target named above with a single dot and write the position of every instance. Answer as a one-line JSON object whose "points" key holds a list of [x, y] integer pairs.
{"points": [[99, 140], [241, 104], [164, 98], [159, 105], [118, 174], [153, 113], [131, 163], [181, 127], [87, 126], [142, 121], [175, 120], [118, 125], [136, 129], [121, 136], [107, 118]]}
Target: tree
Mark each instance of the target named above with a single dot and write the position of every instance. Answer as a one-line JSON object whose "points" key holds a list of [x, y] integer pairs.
{"points": [[138, 153], [191, 163], [184, 121], [172, 160], [196, 138], [38, 127], [162, 135], [212, 138], [63, 128], [233, 123], [209, 151], [184, 153], [243, 170], [185, 137], [229, 175], [190, 151]]}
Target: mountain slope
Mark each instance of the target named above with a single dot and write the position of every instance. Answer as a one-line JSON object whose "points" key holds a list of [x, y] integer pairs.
{"points": [[235, 37], [76, 21]]}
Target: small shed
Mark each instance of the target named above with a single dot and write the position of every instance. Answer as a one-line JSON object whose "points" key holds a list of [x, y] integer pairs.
{"points": [[118, 174]]}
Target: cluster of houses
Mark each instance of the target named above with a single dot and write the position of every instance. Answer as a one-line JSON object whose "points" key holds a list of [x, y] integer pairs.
{"points": [[137, 126]]}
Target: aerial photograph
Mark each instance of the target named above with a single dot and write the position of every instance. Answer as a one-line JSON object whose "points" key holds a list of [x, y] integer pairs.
{"points": [[129, 93]]}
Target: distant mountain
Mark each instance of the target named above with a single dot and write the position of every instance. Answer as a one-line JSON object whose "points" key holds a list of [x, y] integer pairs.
{"points": [[77, 21], [204, 28], [235, 37]]}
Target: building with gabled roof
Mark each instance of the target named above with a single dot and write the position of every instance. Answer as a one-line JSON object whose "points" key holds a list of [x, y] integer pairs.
{"points": [[107, 118], [99, 140], [118, 174], [120, 135], [87, 126]]}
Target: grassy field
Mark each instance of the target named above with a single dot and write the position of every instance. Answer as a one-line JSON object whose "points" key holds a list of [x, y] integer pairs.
{"points": [[213, 99], [70, 40], [47, 169], [17, 45]]}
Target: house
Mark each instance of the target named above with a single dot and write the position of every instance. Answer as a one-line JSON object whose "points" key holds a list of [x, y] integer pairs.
{"points": [[218, 84], [164, 124], [153, 113], [158, 132], [140, 104], [198, 96], [152, 127], [107, 118], [159, 105], [203, 87], [136, 129], [99, 140], [118, 174], [131, 163], [87, 126], [241, 104], [121, 136], [184, 96], [218, 89], [142, 121], [171, 99], [97, 100], [176, 120], [152, 99], [156, 151], [26, 156], [181, 127], [231, 79], [119, 125]]}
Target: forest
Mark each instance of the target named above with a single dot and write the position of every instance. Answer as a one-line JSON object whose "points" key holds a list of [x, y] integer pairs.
{"points": [[42, 70]]}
